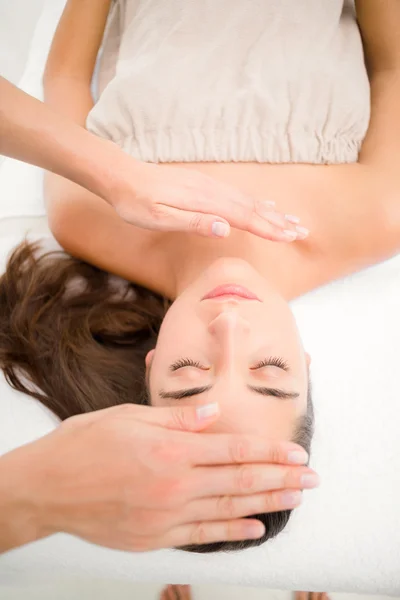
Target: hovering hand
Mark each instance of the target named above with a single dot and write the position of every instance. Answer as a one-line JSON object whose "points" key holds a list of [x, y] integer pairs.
{"points": [[186, 200]]}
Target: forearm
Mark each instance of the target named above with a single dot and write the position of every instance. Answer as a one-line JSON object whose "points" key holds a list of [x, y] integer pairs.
{"points": [[34, 133], [53, 136]]}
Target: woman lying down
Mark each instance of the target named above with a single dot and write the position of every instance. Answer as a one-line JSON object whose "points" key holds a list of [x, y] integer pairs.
{"points": [[227, 91]]}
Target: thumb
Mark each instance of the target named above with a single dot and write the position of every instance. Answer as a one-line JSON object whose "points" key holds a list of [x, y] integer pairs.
{"points": [[176, 219], [184, 418], [208, 226]]}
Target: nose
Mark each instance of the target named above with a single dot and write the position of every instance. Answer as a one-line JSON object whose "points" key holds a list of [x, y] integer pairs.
{"points": [[230, 330]]}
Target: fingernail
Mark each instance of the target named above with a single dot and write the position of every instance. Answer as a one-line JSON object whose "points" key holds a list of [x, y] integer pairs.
{"points": [[220, 229], [291, 499], [302, 230], [310, 480], [255, 530], [206, 410], [290, 235], [270, 203], [298, 457], [292, 219]]}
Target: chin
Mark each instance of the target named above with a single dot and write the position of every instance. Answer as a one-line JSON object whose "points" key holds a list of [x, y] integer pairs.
{"points": [[230, 267]]}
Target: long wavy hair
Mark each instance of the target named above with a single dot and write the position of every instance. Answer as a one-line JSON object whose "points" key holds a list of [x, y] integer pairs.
{"points": [[75, 338]]}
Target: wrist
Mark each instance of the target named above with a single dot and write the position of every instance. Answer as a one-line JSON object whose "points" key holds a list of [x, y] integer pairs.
{"points": [[111, 174], [105, 169], [114, 173], [20, 510]]}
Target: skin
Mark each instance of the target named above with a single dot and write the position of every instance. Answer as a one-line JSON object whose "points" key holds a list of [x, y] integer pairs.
{"points": [[228, 337]]}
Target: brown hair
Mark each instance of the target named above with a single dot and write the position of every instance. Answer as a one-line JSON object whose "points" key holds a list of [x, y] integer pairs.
{"points": [[75, 338]]}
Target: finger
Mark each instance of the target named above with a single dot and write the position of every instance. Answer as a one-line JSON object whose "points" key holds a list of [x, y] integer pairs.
{"points": [[179, 417], [211, 449], [247, 479], [259, 218], [186, 592], [214, 531], [174, 593], [270, 229], [170, 218], [187, 418], [221, 508], [301, 596], [225, 449], [163, 594], [170, 593], [181, 592], [273, 226], [227, 205]]}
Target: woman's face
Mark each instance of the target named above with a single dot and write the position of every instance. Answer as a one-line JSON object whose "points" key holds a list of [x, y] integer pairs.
{"points": [[228, 339]]}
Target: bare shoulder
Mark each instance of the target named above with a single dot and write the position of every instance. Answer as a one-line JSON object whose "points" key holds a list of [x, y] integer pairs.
{"points": [[337, 248], [90, 229]]}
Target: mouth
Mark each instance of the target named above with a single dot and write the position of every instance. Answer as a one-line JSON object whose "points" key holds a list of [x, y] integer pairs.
{"points": [[231, 290]]}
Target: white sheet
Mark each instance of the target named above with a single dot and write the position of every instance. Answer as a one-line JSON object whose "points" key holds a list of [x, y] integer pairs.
{"points": [[346, 535]]}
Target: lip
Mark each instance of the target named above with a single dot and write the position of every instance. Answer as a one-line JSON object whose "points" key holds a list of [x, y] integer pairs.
{"points": [[231, 290]]}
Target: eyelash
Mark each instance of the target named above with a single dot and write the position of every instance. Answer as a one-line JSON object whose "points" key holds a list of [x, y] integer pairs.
{"points": [[272, 360], [185, 362]]}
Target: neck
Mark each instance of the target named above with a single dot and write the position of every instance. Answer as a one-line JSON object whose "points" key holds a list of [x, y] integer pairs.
{"points": [[193, 264], [279, 264]]}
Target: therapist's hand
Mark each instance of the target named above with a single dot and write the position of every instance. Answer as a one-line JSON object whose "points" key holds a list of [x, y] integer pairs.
{"points": [[140, 478], [152, 196]]}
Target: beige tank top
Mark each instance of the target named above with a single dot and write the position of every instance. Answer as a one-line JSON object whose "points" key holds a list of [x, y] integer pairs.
{"points": [[273, 81]]}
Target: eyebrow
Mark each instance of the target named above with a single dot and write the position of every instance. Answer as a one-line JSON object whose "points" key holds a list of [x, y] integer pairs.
{"points": [[264, 391]]}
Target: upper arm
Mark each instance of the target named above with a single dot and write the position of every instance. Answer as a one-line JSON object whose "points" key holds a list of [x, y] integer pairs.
{"points": [[77, 40], [72, 58], [379, 22]]}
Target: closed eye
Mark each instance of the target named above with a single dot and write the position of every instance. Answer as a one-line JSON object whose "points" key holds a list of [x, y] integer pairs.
{"points": [[276, 361], [185, 362]]}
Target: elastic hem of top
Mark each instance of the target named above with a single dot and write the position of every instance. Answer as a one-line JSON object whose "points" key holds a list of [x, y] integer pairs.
{"points": [[239, 145]]}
